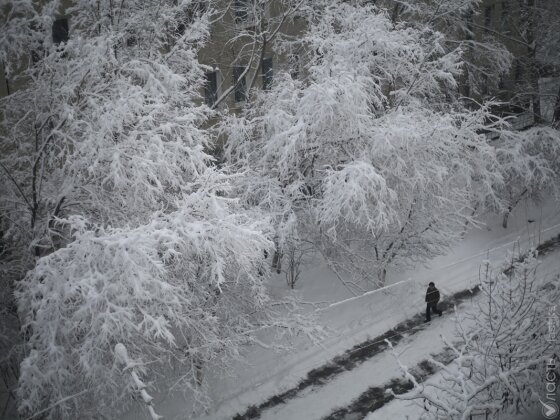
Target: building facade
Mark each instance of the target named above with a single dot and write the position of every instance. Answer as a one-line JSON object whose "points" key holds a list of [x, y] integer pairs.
{"points": [[239, 54]]}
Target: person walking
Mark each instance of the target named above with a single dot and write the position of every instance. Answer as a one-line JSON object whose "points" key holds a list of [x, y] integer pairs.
{"points": [[432, 299]]}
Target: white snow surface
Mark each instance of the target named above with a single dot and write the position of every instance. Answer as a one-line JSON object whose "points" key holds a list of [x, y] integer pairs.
{"points": [[427, 343], [352, 320]]}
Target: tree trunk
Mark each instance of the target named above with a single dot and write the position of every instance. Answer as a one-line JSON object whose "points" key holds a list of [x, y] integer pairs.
{"points": [[535, 96], [534, 73], [199, 372], [277, 261], [511, 207], [382, 276], [506, 217]]}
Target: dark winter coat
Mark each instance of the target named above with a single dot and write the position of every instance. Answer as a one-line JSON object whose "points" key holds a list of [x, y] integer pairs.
{"points": [[432, 295]]}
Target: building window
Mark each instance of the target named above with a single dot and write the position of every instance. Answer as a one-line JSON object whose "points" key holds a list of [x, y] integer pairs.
{"points": [[470, 30], [241, 9], [37, 54], [518, 71], [267, 74], [294, 62], [60, 31], [485, 85], [6, 81], [211, 87], [505, 17], [488, 10], [467, 89], [240, 83], [195, 10], [131, 40]]}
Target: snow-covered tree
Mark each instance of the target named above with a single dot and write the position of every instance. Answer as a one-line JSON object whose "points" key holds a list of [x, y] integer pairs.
{"points": [[529, 162], [485, 59], [133, 241], [530, 28], [252, 28], [504, 347], [534, 32], [368, 152]]}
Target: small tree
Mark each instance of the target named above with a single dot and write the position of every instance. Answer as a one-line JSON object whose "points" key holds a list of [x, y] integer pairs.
{"points": [[297, 254]]}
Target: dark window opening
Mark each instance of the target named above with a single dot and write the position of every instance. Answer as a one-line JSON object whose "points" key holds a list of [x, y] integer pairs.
{"points": [[195, 10], [37, 49], [7, 82], [485, 85], [181, 28], [518, 71], [294, 63], [505, 17], [267, 73], [488, 17], [37, 55], [240, 84], [131, 41], [241, 9], [211, 88], [188, 16], [60, 31], [467, 88]]}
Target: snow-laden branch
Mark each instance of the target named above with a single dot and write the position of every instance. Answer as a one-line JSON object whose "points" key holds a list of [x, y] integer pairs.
{"points": [[129, 367], [335, 150]]}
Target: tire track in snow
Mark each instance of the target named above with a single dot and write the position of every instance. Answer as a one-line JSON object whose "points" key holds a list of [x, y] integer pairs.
{"points": [[376, 396]]}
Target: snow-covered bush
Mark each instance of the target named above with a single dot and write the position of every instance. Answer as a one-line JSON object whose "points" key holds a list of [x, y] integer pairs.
{"points": [[504, 347]]}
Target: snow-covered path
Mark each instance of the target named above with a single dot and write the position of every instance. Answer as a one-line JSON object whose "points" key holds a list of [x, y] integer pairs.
{"points": [[356, 356], [378, 371], [424, 341]]}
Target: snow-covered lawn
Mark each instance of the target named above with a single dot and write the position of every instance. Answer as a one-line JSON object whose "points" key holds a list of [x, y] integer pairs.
{"points": [[351, 320]]}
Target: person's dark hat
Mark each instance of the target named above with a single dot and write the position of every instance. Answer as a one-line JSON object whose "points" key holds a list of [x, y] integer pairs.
{"points": [[431, 284]]}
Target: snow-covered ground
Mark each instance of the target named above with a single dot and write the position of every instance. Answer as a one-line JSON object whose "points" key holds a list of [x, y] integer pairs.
{"points": [[351, 320], [425, 343], [378, 371]]}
